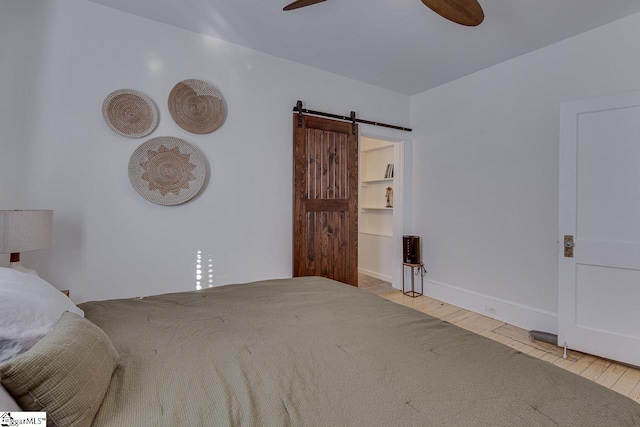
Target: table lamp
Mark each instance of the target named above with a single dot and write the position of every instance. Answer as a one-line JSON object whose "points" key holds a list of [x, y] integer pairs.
{"points": [[25, 230]]}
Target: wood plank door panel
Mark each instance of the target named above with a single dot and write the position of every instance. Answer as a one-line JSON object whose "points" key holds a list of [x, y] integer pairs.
{"points": [[325, 217]]}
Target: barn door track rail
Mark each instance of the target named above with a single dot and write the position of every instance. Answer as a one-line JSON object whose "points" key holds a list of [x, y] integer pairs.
{"points": [[350, 118]]}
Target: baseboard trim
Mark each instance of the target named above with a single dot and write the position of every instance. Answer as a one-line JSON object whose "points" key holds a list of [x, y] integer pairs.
{"points": [[521, 315], [374, 274]]}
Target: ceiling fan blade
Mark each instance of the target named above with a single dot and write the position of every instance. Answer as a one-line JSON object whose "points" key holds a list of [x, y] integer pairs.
{"points": [[463, 12], [301, 3]]}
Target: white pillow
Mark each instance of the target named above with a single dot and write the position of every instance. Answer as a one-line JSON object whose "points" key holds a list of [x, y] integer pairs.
{"points": [[30, 308]]}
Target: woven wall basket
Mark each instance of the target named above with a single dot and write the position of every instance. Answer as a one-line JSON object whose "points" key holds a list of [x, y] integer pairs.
{"points": [[130, 113], [167, 170], [196, 107]]}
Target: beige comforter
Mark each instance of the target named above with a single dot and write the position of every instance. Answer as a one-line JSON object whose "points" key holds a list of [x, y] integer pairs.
{"points": [[313, 352]]}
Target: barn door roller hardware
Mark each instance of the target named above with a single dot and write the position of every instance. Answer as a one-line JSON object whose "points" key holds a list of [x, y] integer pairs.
{"points": [[350, 118]]}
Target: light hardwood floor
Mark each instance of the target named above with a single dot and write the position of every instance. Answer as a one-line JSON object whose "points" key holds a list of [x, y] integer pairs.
{"points": [[373, 285], [622, 379]]}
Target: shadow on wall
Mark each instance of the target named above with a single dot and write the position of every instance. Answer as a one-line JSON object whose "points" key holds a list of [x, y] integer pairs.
{"points": [[23, 83], [66, 255], [20, 85]]}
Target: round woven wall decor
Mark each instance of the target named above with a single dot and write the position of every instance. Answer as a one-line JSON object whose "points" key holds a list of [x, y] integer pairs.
{"points": [[130, 113], [196, 106], [167, 170]]}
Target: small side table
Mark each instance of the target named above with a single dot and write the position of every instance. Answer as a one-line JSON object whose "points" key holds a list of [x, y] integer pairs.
{"points": [[421, 270]]}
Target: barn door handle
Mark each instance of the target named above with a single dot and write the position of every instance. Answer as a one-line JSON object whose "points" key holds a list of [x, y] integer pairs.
{"points": [[568, 246]]}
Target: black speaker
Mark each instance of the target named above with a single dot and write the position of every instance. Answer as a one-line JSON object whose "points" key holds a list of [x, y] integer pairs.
{"points": [[411, 249]]}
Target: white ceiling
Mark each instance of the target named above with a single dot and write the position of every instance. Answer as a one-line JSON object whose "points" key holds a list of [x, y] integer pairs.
{"points": [[400, 45]]}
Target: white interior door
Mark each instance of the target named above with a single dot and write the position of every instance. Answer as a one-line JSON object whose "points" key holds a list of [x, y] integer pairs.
{"points": [[599, 287]]}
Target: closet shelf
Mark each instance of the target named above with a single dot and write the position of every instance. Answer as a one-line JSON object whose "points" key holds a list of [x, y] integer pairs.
{"points": [[375, 208], [383, 147], [377, 234], [371, 181]]}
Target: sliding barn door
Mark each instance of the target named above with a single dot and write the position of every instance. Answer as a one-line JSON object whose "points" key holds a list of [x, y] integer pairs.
{"points": [[599, 276], [325, 205]]}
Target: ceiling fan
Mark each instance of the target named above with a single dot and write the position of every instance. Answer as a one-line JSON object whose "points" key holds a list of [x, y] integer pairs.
{"points": [[463, 12]]}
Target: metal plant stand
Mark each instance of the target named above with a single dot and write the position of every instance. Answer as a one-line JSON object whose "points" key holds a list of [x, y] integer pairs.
{"points": [[421, 271]]}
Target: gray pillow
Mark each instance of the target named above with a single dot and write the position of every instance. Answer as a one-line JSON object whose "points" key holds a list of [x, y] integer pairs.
{"points": [[65, 374]]}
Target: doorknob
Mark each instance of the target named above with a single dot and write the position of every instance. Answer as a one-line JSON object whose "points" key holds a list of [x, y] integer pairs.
{"points": [[568, 246]]}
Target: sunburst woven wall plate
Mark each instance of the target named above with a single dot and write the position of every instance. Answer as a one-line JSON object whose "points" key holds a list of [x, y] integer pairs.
{"points": [[130, 113], [196, 107], [167, 170]]}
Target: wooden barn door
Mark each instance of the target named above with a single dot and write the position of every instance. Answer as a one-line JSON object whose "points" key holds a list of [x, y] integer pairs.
{"points": [[325, 193]]}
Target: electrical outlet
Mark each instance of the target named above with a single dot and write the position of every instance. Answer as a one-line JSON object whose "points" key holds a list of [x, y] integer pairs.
{"points": [[490, 309]]}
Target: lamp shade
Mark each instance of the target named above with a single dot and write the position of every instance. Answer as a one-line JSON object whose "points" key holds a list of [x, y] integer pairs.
{"points": [[28, 230]]}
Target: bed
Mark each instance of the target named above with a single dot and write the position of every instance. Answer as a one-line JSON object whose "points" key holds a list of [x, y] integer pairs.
{"points": [[314, 352]]}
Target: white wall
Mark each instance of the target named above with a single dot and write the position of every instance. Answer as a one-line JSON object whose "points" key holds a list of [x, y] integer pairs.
{"points": [[485, 171], [109, 242], [20, 50]]}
